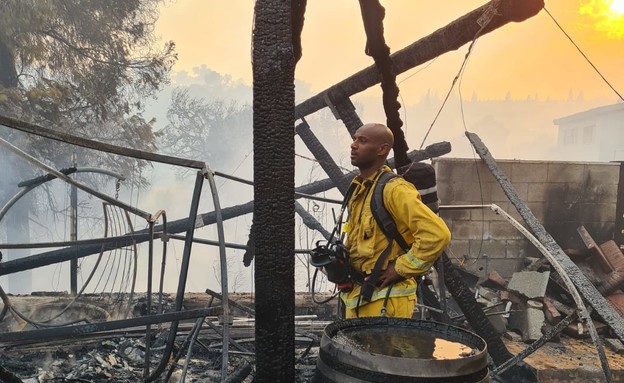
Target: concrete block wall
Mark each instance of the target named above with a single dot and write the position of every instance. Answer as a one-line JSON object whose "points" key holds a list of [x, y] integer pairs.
{"points": [[561, 195]]}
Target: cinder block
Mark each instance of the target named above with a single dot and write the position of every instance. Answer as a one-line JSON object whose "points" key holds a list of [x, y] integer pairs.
{"points": [[456, 215], [531, 284], [537, 192], [497, 193], [456, 171], [445, 192], [443, 168], [459, 247], [470, 230], [601, 192], [486, 214], [565, 172], [483, 265], [528, 320], [563, 211], [492, 249], [517, 248], [504, 232], [529, 172], [596, 212], [607, 173], [471, 192]]}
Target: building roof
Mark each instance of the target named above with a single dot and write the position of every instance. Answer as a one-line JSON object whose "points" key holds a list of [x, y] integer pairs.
{"points": [[592, 113]]}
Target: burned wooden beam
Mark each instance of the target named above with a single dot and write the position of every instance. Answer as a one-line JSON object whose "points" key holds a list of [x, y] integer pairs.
{"points": [[274, 191], [554, 331], [345, 111], [446, 39], [311, 222], [56, 135], [322, 156]]}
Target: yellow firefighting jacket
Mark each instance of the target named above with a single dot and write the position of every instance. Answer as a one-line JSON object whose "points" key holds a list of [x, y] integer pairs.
{"points": [[418, 225]]}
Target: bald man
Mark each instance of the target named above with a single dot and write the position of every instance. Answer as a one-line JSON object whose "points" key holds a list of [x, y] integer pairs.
{"points": [[423, 230]]}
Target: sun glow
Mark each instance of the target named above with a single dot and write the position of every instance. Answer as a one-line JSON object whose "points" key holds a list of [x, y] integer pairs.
{"points": [[617, 7], [607, 16]]}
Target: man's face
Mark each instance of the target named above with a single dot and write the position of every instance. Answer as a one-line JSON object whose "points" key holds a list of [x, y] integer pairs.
{"points": [[365, 148]]}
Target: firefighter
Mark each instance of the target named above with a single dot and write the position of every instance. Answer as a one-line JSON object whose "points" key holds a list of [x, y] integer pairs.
{"points": [[394, 287]]}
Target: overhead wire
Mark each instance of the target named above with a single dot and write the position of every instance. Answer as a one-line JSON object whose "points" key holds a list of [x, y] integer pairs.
{"points": [[448, 94], [583, 54], [401, 95]]}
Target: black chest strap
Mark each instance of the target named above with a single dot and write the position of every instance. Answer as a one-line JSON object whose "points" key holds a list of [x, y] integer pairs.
{"points": [[388, 227]]}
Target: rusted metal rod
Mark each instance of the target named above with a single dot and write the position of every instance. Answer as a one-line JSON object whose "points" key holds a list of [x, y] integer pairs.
{"points": [[70, 181], [311, 222]]}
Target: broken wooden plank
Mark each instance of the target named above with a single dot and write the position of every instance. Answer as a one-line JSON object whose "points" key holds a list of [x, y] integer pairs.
{"points": [[585, 288], [595, 250]]}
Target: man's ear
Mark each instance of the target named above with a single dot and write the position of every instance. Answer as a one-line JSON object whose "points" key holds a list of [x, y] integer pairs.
{"points": [[384, 149]]}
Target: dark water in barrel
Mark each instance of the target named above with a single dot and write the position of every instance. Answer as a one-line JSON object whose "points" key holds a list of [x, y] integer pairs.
{"points": [[402, 342]]}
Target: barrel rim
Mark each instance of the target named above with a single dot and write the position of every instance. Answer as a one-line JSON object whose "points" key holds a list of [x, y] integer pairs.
{"points": [[330, 349]]}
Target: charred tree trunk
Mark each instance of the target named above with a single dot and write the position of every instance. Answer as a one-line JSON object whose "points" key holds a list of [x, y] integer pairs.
{"points": [[274, 190]]}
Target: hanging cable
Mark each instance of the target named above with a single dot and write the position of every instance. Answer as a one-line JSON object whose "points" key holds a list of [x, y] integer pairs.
{"points": [[583, 54]]}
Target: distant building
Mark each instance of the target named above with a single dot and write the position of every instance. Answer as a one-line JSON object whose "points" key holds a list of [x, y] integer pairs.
{"points": [[594, 135]]}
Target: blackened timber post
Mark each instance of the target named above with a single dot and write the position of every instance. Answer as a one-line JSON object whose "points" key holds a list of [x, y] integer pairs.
{"points": [[274, 190]]}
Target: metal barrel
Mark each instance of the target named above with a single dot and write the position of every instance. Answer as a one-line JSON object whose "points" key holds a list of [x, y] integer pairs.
{"points": [[341, 362]]}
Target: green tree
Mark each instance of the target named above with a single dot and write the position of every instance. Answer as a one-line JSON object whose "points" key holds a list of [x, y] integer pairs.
{"points": [[83, 67]]}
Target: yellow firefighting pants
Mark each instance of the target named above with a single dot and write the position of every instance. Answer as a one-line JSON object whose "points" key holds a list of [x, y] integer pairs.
{"points": [[396, 307]]}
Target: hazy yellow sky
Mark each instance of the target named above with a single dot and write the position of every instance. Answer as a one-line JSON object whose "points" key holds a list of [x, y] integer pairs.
{"points": [[525, 59]]}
